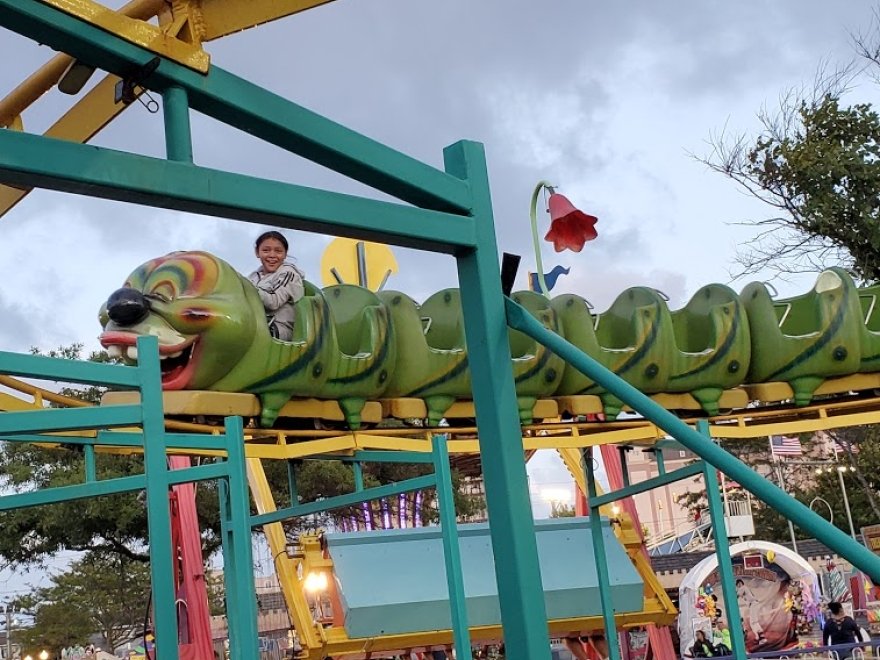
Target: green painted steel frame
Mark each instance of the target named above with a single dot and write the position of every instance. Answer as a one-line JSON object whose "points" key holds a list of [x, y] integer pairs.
{"points": [[699, 442], [155, 481], [453, 215]]}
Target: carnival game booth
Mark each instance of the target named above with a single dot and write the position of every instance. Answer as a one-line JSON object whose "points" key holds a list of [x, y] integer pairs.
{"points": [[777, 591]]}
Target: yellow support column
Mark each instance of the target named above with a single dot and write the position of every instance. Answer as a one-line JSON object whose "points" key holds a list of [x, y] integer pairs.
{"points": [[309, 634]]}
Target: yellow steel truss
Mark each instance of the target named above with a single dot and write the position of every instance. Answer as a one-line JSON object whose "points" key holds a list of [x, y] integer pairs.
{"points": [[184, 25]]}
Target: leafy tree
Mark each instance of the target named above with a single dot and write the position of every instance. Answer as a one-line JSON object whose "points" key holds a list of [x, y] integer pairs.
{"points": [[561, 510], [860, 459], [817, 163], [100, 593]]}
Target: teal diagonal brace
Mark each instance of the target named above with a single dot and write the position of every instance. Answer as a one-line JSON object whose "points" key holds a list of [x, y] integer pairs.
{"points": [[378, 492], [240, 103], [650, 484], [74, 492], [841, 543], [520, 592], [69, 371], [34, 160]]}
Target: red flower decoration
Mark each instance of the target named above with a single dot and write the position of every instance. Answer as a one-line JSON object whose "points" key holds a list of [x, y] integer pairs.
{"points": [[569, 227]]}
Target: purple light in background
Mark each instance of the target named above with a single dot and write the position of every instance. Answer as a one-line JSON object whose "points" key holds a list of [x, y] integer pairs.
{"points": [[401, 510], [386, 514], [417, 510], [368, 516], [354, 523], [344, 525]]}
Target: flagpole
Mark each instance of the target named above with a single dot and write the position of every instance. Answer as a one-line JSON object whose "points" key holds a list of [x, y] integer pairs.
{"points": [[778, 469]]}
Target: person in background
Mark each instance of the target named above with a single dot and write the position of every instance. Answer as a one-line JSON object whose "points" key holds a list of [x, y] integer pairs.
{"points": [[839, 629], [702, 648], [279, 283], [721, 638], [751, 610]]}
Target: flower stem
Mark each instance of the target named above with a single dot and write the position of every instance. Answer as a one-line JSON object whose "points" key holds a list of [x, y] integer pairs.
{"points": [[534, 216]]}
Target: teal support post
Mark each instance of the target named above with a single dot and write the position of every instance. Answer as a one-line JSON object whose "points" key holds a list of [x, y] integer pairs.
{"points": [[158, 512], [857, 554], [241, 605], [722, 550], [358, 476], [178, 135], [451, 549], [661, 465], [602, 573], [91, 468], [520, 593], [292, 488]]}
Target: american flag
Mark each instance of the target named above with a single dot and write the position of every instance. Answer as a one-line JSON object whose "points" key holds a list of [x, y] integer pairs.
{"points": [[781, 445], [840, 448]]}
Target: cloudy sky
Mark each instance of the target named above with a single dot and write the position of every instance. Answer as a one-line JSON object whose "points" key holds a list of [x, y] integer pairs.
{"points": [[607, 100]]}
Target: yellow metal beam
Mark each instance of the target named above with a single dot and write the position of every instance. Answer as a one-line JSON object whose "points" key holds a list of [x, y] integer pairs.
{"points": [[285, 567], [223, 17], [138, 32], [79, 124], [47, 76]]}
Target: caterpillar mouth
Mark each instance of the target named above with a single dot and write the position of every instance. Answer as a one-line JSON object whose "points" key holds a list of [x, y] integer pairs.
{"points": [[175, 360]]}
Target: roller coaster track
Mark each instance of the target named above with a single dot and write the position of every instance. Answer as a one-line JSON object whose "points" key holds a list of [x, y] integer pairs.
{"points": [[839, 411]]}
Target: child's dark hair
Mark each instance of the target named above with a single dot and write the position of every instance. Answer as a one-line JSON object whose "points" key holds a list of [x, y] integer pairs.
{"points": [[277, 235], [835, 607]]}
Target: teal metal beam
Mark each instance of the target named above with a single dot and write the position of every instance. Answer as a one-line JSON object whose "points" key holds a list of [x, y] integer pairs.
{"points": [[292, 488], [358, 476], [37, 161], [722, 550], [661, 463], [70, 371], [68, 419], [178, 134], [520, 592], [857, 554], [193, 441], [158, 510], [373, 456], [238, 565], [650, 484], [69, 493], [91, 468], [602, 573], [406, 486], [451, 548], [198, 473], [246, 106]]}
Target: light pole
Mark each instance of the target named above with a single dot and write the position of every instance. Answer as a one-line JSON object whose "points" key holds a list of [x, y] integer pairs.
{"points": [[8, 612], [840, 470]]}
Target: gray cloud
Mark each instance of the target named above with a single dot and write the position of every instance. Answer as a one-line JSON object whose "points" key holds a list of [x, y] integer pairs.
{"points": [[603, 100]]}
